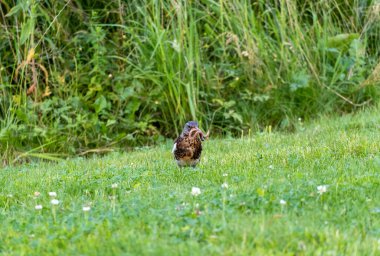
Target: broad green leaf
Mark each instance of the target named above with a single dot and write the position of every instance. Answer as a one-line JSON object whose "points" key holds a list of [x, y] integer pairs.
{"points": [[356, 48], [237, 117], [220, 102], [26, 31], [14, 10], [299, 80], [110, 122], [229, 104], [341, 40], [261, 98], [100, 104], [17, 99]]}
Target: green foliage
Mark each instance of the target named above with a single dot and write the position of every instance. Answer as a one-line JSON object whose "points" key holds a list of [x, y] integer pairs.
{"points": [[269, 204], [94, 75]]}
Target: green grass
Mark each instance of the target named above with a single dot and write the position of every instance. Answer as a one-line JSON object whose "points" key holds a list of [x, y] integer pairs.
{"points": [[154, 213]]}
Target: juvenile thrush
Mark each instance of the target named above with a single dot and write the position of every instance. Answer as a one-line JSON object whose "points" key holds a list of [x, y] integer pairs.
{"points": [[187, 147]]}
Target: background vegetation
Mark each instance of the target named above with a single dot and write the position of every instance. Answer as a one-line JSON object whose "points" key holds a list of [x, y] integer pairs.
{"points": [[86, 76]]}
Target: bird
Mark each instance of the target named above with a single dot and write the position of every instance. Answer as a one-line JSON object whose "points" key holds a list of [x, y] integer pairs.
{"points": [[187, 147]]}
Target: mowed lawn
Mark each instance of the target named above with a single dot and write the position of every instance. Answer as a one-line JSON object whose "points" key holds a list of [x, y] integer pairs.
{"points": [[258, 196]]}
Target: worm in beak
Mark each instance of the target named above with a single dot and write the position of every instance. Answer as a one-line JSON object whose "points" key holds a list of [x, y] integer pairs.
{"points": [[196, 131]]}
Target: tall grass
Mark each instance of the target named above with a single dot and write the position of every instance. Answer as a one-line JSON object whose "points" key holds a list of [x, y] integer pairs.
{"points": [[88, 76]]}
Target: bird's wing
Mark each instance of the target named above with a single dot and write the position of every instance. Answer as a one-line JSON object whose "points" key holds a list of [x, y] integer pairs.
{"points": [[197, 149], [182, 148]]}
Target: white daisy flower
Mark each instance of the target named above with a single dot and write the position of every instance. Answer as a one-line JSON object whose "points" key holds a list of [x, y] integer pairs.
{"points": [[195, 191], [54, 202], [322, 189], [52, 194]]}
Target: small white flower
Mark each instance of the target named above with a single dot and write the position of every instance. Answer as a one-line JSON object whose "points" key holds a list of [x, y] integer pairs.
{"points": [[114, 185], [283, 202], [195, 191], [270, 167], [322, 189], [38, 207], [86, 208], [110, 75], [9, 195], [176, 45], [225, 175], [245, 53], [225, 185], [52, 194], [54, 202]]}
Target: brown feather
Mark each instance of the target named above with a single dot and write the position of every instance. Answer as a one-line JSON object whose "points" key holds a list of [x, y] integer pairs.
{"points": [[188, 148]]}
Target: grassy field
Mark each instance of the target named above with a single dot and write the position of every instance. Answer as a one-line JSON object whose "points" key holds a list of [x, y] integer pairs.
{"points": [[140, 203]]}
